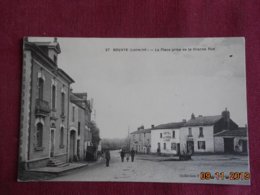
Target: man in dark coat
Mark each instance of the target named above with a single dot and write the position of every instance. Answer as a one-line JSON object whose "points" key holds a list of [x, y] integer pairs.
{"points": [[132, 155], [107, 156], [122, 154]]}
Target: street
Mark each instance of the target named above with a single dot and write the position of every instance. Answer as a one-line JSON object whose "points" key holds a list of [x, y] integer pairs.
{"points": [[152, 168]]}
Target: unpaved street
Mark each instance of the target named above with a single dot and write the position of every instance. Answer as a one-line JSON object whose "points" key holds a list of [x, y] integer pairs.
{"points": [[164, 169]]}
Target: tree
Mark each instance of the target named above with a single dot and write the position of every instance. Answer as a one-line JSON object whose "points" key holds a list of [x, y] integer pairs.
{"points": [[95, 134]]}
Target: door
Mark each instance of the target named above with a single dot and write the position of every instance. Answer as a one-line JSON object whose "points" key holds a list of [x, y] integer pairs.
{"points": [[190, 147], [52, 144], [72, 145], [244, 146], [228, 145]]}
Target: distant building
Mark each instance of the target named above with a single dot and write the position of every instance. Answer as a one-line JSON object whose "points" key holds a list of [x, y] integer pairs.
{"points": [[202, 134], [140, 140], [165, 138], [45, 106], [198, 133]]}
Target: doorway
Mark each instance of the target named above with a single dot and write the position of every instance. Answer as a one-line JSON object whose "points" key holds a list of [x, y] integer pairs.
{"points": [[52, 144], [244, 146], [228, 145], [72, 145], [190, 147]]}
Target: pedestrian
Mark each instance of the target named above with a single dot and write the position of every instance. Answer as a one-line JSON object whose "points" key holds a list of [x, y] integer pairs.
{"points": [[107, 156], [132, 154], [122, 154], [127, 156]]}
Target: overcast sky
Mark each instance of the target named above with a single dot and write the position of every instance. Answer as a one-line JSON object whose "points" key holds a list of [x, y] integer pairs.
{"points": [[144, 88]]}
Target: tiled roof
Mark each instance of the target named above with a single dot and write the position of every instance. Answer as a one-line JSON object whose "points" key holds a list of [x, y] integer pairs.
{"points": [[141, 131], [241, 132], [203, 120], [175, 125]]}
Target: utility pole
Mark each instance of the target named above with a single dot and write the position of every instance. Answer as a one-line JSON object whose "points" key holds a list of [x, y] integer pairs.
{"points": [[128, 139]]}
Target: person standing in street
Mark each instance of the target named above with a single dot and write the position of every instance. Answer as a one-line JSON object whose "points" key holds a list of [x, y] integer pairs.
{"points": [[107, 156], [132, 155], [122, 154], [127, 156]]}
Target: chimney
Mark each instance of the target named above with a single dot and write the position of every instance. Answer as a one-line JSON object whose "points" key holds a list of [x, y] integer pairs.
{"points": [[226, 115], [184, 120], [200, 115], [152, 126], [192, 116], [55, 39]]}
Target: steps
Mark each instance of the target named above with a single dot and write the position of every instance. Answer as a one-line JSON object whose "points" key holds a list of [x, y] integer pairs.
{"points": [[56, 163]]}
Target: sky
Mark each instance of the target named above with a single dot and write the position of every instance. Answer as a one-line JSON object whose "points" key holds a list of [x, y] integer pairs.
{"points": [[152, 87]]}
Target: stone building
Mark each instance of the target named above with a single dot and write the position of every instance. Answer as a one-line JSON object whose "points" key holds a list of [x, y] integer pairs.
{"points": [[140, 140], [45, 106], [79, 132], [232, 141]]}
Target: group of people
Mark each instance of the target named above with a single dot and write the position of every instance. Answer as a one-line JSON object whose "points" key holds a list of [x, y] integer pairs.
{"points": [[123, 153]]}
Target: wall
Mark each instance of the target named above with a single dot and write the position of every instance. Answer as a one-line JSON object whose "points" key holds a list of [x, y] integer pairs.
{"points": [[166, 138], [208, 138], [140, 142], [219, 144], [53, 120], [25, 106]]}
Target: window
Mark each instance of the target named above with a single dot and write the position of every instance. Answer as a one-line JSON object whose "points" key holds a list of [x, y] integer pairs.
{"points": [[78, 128], [201, 145], [40, 87], [62, 103], [190, 132], [160, 135], [61, 136], [159, 145], [53, 103], [173, 146], [164, 146], [39, 134], [201, 132], [173, 134], [73, 114]]}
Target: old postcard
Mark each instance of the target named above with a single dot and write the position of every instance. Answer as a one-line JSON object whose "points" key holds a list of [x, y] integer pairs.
{"points": [[134, 110]]}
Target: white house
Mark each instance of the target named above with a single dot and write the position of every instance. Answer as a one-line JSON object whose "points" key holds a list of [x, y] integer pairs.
{"points": [[198, 133], [165, 138]]}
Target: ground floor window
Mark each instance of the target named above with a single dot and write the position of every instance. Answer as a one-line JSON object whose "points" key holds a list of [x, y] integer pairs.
{"points": [[202, 145], [173, 146], [164, 146]]}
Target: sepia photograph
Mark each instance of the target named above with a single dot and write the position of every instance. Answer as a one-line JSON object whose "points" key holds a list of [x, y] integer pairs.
{"points": [[168, 110]]}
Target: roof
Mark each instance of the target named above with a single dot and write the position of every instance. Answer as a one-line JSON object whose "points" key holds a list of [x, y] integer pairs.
{"points": [[141, 131], [53, 45], [174, 125], [203, 120], [76, 100], [240, 132]]}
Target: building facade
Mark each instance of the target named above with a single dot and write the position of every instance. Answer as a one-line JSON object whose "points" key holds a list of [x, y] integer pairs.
{"points": [[45, 106], [197, 134], [165, 138], [79, 132], [232, 141], [201, 134], [140, 140]]}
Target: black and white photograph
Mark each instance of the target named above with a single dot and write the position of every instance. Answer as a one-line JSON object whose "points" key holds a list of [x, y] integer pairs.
{"points": [[168, 110]]}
